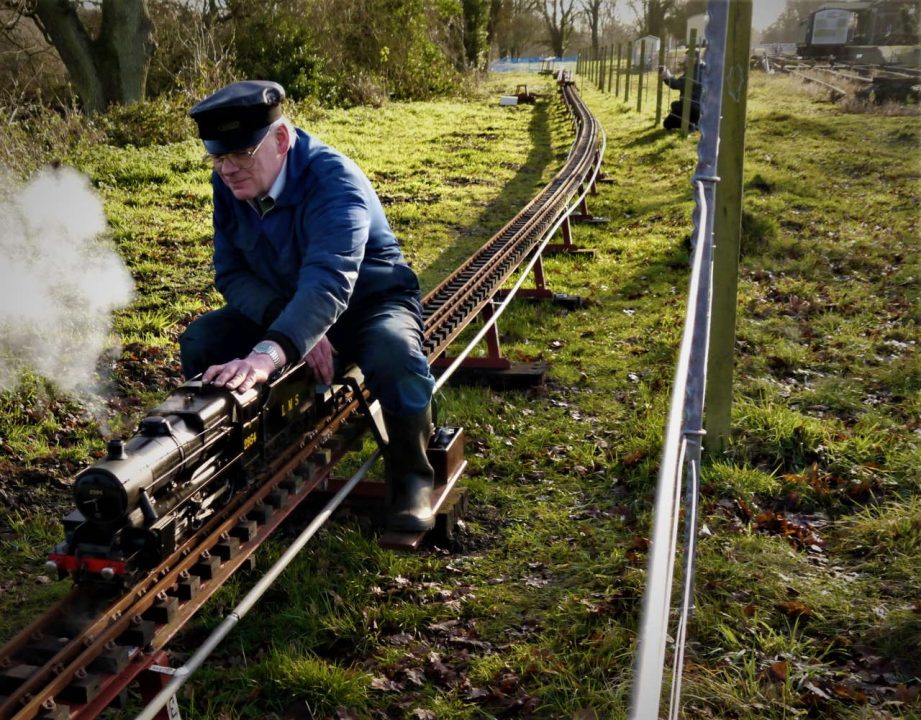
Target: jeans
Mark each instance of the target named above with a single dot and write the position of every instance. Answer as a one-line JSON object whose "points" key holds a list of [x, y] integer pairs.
{"points": [[383, 338], [673, 119]]}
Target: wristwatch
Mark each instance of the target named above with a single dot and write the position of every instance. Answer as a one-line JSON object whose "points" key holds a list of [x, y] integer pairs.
{"points": [[268, 348]]}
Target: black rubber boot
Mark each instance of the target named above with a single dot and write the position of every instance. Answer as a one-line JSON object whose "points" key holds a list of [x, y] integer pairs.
{"points": [[410, 477]]}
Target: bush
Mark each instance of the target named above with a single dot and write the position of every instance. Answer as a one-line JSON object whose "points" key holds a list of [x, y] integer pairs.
{"points": [[352, 53], [38, 136], [279, 46], [157, 122]]}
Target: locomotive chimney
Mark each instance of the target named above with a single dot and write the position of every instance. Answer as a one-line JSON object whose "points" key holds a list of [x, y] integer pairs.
{"points": [[116, 450]]}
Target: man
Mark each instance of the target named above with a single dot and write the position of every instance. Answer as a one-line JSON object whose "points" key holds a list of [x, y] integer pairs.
{"points": [[673, 119], [309, 268]]}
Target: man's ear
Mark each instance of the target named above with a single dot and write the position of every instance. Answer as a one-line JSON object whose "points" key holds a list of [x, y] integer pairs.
{"points": [[282, 138]]}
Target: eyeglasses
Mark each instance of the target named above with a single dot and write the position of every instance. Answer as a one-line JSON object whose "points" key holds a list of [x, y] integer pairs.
{"points": [[242, 159]]}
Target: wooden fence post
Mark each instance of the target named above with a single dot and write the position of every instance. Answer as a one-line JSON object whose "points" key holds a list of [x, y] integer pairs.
{"points": [[601, 76], [627, 72], [659, 83], [611, 68], [617, 85], [641, 71], [727, 228], [690, 70]]}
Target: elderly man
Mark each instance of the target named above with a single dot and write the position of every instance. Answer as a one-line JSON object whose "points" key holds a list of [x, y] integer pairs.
{"points": [[310, 269], [673, 119]]}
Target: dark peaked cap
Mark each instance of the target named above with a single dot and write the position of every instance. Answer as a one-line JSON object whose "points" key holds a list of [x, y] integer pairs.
{"points": [[238, 116]]}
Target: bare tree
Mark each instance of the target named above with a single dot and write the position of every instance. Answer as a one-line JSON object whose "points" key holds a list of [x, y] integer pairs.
{"points": [[596, 13], [558, 16], [651, 15], [514, 26], [106, 65]]}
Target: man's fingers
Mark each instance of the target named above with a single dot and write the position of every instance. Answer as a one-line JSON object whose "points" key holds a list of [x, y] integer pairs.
{"points": [[237, 375], [325, 371]]}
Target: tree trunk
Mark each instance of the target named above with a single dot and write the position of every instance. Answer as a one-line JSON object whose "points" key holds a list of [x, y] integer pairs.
{"points": [[111, 68], [123, 49], [474, 22]]}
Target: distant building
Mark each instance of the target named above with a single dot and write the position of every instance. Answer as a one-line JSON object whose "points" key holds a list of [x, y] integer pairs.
{"points": [[651, 58], [696, 22], [836, 25]]}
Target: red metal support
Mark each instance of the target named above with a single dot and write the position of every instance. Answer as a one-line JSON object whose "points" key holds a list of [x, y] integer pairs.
{"points": [[155, 677], [493, 359]]}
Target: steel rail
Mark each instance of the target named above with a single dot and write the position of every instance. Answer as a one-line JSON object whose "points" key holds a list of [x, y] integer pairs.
{"points": [[182, 674], [76, 656], [448, 306]]}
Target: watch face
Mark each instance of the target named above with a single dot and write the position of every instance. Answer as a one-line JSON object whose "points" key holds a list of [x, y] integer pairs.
{"points": [[267, 348]]}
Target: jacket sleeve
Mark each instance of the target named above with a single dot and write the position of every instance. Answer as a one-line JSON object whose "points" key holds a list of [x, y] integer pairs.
{"points": [[675, 82], [241, 288], [334, 225]]}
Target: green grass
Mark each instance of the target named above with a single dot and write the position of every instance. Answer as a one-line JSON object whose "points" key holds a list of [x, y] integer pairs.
{"points": [[807, 582]]}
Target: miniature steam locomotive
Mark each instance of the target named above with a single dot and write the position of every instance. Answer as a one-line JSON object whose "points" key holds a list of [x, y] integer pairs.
{"points": [[190, 455]]}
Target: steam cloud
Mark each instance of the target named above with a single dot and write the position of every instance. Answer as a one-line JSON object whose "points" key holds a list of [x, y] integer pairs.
{"points": [[59, 281]]}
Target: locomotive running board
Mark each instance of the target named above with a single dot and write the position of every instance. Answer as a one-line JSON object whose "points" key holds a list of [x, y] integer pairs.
{"points": [[449, 501], [448, 504]]}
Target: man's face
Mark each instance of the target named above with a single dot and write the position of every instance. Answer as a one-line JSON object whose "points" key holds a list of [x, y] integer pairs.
{"points": [[251, 177]]}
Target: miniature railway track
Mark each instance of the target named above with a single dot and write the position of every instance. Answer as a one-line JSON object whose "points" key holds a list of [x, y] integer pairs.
{"points": [[80, 656], [878, 82]]}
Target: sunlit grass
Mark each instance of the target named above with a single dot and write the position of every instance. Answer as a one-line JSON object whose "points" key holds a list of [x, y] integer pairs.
{"points": [[545, 585]]}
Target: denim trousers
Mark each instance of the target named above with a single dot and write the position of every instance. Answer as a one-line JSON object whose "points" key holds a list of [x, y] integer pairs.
{"points": [[383, 338]]}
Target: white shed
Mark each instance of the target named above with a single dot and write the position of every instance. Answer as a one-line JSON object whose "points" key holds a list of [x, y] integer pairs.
{"points": [[696, 22], [651, 58]]}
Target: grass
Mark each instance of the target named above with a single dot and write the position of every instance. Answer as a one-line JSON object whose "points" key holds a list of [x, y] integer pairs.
{"points": [[807, 585]]}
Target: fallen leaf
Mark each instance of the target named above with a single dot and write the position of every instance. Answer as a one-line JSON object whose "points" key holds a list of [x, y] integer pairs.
{"points": [[843, 692], [415, 676], [777, 671], [633, 458], [400, 639], [794, 608], [385, 684]]}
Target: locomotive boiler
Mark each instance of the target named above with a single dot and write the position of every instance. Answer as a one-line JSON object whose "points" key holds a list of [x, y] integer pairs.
{"points": [[189, 456]]}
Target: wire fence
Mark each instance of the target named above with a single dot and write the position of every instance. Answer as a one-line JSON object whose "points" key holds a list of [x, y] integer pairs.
{"points": [[681, 454], [630, 71]]}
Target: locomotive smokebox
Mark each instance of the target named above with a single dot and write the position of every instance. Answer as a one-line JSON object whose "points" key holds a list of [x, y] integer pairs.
{"points": [[100, 496]]}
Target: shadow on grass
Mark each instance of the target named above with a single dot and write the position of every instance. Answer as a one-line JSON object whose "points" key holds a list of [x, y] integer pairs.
{"points": [[648, 137], [514, 196]]}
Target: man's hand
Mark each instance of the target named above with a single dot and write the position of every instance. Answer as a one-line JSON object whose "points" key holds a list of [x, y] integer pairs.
{"points": [[320, 360], [240, 374], [664, 72]]}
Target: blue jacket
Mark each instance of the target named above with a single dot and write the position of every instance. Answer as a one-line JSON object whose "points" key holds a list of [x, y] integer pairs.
{"points": [[697, 84], [325, 245]]}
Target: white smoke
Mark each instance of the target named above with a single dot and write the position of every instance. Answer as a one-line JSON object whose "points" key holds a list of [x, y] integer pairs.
{"points": [[60, 281]]}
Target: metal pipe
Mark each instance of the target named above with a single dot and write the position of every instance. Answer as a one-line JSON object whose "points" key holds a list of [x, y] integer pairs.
{"points": [[685, 420], [183, 673]]}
